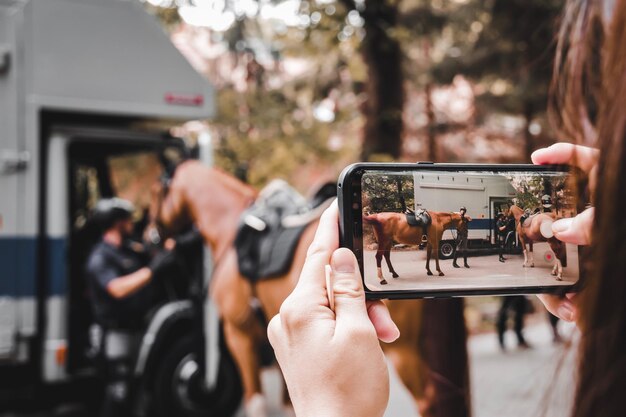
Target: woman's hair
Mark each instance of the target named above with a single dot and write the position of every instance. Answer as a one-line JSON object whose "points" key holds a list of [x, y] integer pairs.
{"points": [[589, 98]]}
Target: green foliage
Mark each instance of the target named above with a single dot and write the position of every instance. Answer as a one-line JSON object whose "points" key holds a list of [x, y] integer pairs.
{"points": [[508, 47], [530, 189], [386, 192], [269, 136]]}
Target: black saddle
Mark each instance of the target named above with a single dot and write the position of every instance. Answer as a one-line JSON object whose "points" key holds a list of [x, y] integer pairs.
{"points": [[271, 228], [419, 218], [525, 217]]}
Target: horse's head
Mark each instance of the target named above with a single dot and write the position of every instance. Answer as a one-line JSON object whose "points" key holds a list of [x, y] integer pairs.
{"points": [[455, 220], [166, 212], [154, 233], [515, 212]]}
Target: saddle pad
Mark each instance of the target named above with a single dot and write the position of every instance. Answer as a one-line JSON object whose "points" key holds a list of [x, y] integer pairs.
{"points": [[271, 229], [411, 220], [267, 253], [418, 219]]}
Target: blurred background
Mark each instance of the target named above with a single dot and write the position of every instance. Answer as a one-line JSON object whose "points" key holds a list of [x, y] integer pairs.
{"points": [[289, 89]]}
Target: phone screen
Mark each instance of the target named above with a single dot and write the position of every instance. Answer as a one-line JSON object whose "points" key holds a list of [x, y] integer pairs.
{"points": [[433, 230]]}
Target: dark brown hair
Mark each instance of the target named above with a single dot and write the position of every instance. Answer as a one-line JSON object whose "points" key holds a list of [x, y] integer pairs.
{"points": [[590, 88]]}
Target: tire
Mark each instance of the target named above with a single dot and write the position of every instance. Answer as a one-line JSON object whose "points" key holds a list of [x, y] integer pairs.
{"points": [[446, 249], [178, 389]]}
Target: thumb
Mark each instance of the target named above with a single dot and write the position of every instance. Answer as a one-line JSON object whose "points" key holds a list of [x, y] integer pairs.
{"points": [[347, 287], [576, 230]]}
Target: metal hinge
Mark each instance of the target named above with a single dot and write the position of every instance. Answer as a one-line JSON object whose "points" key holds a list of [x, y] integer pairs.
{"points": [[13, 161]]}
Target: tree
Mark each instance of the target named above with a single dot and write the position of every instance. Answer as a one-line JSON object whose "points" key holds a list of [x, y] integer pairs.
{"points": [[511, 58]]}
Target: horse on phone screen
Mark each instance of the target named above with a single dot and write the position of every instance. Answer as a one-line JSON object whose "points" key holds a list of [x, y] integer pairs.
{"points": [[390, 227], [538, 228]]}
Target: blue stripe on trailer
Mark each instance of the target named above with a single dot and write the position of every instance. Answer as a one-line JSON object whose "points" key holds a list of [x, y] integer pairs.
{"points": [[18, 258], [480, 224]]}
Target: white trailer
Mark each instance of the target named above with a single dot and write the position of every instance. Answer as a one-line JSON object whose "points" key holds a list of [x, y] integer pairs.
{"points": [[81, 82], [483, 194]]}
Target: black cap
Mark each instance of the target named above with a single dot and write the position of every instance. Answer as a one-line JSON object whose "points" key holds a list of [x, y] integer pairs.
{"points": [[110, 210]]}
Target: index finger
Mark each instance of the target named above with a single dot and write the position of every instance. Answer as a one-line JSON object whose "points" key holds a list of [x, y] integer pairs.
{"points": [[324, 243], [583, 157]]}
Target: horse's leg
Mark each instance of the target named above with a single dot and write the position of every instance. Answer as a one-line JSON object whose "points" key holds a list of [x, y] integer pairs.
{"points": [[379, 269], [243, 349], [523, 242], [232, 293], [404, 353], [531, 255], [436, 255], [428, 251], [558, 270], [387, 256], [272, 293]]}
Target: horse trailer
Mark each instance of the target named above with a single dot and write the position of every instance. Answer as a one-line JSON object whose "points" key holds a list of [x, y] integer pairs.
{"points": [[88, 92], [483, 196]]}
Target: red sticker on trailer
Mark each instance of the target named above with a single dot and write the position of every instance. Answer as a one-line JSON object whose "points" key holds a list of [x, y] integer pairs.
{"points": [[196, 100]]}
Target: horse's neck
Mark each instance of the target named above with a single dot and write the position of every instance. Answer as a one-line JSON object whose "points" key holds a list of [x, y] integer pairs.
{"points": [[517, 214], [215, 202], [450, 222]]}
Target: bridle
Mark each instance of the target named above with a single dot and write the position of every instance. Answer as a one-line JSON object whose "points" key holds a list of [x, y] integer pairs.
{"points": [[155, 234]]}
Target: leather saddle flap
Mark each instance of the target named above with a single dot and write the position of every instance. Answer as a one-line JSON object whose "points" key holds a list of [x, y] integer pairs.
{"points": [[418, 218], [270, 230]]}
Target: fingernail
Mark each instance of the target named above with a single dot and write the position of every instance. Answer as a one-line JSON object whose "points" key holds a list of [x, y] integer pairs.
{"points": [[566, 311], [343, 261], [562, 225], [396, 335]]}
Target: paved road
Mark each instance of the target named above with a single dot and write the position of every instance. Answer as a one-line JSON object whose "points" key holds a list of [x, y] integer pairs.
{"points": [[485, 271], [518, 383]]}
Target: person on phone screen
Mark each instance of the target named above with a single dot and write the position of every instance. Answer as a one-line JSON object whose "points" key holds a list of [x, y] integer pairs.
{"points": [[461, 238], [502, 225], [332, 361]]}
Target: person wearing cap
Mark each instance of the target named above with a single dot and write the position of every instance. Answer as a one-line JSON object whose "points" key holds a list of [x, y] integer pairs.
{"points": [[461, 239], [119, 278]]}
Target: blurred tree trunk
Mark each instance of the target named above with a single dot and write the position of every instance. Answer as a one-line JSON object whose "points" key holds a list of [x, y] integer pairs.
{"points": [[444, 350], [529, 113], [385, 83], [430, 116], [430, 356]]}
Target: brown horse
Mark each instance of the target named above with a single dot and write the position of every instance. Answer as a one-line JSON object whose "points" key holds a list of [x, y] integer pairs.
{"points": [[537, 228], [392, 227], [214, 202]]}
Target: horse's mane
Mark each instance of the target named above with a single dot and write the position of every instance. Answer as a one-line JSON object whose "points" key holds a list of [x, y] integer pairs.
{"points": [[225, 179], [233, 183]]}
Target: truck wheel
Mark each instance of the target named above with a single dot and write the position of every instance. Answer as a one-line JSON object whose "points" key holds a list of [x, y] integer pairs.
{"points": [[446, 249], [179, 389]]}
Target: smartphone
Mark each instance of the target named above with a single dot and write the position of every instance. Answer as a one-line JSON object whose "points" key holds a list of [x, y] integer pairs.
{"points": [[444, 230]]}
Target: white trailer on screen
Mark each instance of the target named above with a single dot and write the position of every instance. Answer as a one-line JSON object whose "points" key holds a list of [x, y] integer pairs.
{"points": [[482, 193]]}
